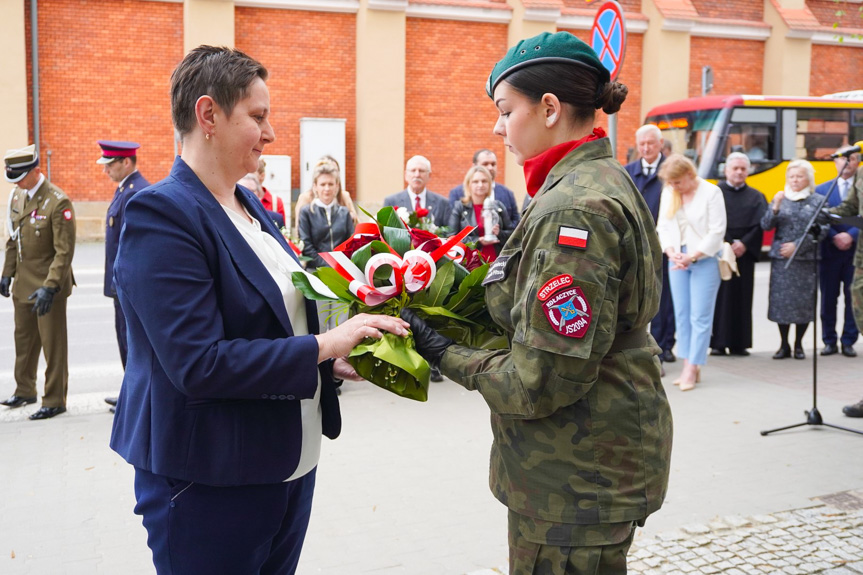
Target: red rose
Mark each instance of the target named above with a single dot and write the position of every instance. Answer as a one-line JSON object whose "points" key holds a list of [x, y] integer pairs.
{"points": [[425, 241], [472, 259], [356, 243], [422, 212]]}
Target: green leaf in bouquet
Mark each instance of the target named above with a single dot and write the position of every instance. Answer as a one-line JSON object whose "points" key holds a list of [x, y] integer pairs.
{"points": [[302, 282], [362, 256], [392, 363], [468, 288], [431, 313], [399, 239], [337, 283], [439, 289], [388, 218]]}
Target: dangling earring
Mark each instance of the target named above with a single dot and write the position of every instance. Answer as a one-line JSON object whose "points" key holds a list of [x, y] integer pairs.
{"points": [[207, 136]]}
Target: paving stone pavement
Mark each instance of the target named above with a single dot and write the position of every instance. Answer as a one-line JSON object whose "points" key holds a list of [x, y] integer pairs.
{"points": [[820, 539]]}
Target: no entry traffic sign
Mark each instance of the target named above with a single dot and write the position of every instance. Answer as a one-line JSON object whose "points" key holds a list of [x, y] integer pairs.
{"points": [[608, 37]]}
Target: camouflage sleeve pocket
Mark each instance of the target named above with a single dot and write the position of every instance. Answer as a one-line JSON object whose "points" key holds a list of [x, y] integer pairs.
{"points": [[565, 305]]}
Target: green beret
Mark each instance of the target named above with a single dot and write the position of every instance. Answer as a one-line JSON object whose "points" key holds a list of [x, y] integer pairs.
{"points": [[546, 48]]}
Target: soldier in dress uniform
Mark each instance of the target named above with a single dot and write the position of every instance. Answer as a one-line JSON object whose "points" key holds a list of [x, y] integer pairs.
{"points": [[581, 422], [38, 267], [119, 162]]}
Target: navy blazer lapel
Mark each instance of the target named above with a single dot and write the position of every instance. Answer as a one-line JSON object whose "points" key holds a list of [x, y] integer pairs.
{"points": [[243, 256]]}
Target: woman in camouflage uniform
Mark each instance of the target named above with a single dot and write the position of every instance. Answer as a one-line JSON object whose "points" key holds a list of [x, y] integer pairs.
{"points": [[581, 422]]}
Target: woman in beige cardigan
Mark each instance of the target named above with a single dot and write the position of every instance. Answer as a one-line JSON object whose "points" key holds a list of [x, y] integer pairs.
{"points": [[691, 227]]}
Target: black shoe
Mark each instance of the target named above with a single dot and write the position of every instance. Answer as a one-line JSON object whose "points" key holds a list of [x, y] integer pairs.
{"points": [[667, 356], [798, 352], [718, 351], [47, 412], [111, 400], [435, 375], [783, 353], [113, 408], [848, 351], [830, 349], [740, 352], [855, 410], [16, 401]]}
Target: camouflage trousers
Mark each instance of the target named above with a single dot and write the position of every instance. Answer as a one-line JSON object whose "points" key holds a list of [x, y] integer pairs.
{"points": [[857, 297], [600, 556]]}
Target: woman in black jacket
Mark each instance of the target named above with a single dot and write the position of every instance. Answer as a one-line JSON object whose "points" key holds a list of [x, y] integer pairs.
{"points": [[324, 223], [468, 212]]}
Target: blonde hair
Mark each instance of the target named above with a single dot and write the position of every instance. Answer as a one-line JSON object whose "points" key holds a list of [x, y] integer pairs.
{"points": [[676, 166], [470, 174], [327, 169], [807, 169]]}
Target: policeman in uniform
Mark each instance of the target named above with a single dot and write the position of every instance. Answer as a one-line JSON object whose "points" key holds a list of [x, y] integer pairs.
{"points": [[581, 422], [119, 162], [38, 266]]}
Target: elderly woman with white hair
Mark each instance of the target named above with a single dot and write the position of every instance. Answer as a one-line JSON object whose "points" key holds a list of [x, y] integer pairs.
{"points": [[744, 207], [792, 290]]}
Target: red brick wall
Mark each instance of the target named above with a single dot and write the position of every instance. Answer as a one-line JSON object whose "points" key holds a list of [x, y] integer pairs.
{"points": [[311, 58], [629, 118], [834, 69], [104, 73], [448, 115], [730, 9], [738, 65], [825, 11]]}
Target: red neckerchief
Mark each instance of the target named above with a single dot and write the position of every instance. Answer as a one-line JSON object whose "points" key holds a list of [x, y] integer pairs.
{"points": [[537, 168]]}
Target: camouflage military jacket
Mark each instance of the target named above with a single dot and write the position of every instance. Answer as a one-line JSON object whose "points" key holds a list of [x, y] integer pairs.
{"points": [[43, 243], [581, 422], [853, 206]]}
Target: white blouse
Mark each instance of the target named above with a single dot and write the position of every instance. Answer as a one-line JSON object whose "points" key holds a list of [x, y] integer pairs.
{"points": [[698, 225], [280, 265]]}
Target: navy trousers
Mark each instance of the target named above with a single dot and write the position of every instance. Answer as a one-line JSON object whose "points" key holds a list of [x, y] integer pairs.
{"points": [[244, 530], [662, 326], [833, 274]]}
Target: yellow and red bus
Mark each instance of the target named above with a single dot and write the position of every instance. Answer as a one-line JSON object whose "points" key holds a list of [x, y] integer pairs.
{"points": [[771, 130]]}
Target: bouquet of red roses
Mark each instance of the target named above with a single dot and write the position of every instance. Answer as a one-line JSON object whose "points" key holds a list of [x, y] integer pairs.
{"points": [[386, 266]]}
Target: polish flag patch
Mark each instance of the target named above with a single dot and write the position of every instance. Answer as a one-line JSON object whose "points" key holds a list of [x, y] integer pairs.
{"points": [[67, 214], [572, 237]]}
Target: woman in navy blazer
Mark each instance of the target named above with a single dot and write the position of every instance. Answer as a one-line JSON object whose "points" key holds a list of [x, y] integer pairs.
{"points": [[228, 386]]}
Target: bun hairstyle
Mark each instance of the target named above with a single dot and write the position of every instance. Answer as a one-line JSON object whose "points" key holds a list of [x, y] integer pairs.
{"points": [[573, 84]]}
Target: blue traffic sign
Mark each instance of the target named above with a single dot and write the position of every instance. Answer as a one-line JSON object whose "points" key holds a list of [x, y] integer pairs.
{"points": [[608, 37]]}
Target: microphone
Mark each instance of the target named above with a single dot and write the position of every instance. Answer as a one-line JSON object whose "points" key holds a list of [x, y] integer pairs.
{"points": [[848, 150]]}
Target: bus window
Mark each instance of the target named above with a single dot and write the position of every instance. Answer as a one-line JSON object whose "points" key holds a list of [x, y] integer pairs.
{"points": [[856, 126], [753, 132], [690, 134], [820, 132]]}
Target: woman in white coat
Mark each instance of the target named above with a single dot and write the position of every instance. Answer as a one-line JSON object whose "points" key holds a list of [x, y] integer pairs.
{"points": [[691, 227]]}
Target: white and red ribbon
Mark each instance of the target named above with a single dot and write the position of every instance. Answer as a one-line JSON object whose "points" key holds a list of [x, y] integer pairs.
{"points": [[413, 272]]}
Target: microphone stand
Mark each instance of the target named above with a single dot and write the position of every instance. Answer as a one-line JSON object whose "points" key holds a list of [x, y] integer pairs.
{"points": [[813, 416]]}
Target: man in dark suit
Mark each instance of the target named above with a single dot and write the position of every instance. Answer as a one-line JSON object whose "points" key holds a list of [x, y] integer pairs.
{"points": [[119, 162], [837, 265], [417, 195], [488, 160], [648, 139]]}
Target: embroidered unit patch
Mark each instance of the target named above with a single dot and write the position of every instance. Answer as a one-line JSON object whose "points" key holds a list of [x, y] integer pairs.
{"points": [[568, 312], [67, 214], [552, 285]]}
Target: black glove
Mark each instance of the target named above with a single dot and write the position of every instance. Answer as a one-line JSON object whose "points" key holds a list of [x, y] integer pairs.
{"points": [[430, 344], [4, 286], [44, 297], [823, 217]]}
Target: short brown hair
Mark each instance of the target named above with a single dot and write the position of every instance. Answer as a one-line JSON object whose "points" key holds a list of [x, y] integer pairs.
{"points": [[222, 73]]}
